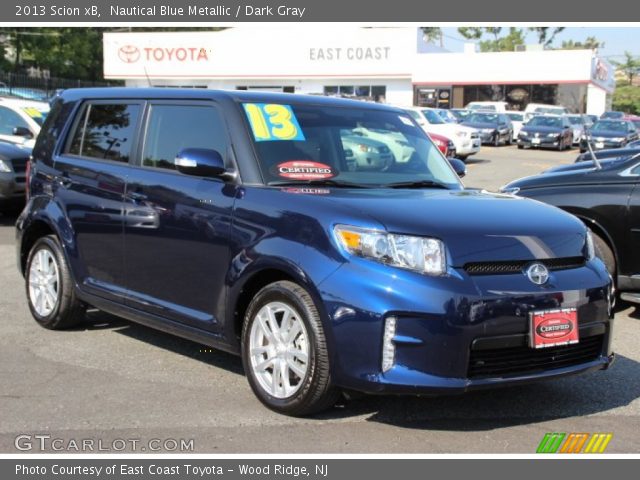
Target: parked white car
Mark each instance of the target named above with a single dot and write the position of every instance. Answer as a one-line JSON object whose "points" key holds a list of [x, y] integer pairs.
{"points": [[21, 120], [517, 119], [577, 125], [543, 109], [500, 107], [466, 139]]}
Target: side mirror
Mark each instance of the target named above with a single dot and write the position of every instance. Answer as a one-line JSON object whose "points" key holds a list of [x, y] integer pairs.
{"points": [[22, 132], [201, 162], [458, 166]]}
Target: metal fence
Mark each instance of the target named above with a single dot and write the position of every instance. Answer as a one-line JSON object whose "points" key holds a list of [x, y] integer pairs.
{"points": [[40, 87]]}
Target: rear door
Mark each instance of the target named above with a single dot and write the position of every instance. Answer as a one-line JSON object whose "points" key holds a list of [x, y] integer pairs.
{"points": [[177, 227], [633, 245], [90, 183]]}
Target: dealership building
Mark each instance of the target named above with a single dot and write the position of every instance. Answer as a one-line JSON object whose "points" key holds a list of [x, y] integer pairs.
{"points": [[391, 65]]}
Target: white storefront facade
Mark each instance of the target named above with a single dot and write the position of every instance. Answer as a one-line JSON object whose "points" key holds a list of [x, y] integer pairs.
{"points": [[380, 64]]}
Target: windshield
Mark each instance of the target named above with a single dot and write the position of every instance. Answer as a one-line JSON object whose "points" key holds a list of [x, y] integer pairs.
{"points": [[432, 117], [482, 118], [611, 125], [516, 117], [636, 123], [481, 106], [554, 111], [612, 115], [301, 143], [542, 121]]}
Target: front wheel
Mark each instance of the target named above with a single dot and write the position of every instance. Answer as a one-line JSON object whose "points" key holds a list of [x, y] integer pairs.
{"points": [[604, 253], [284, 351]]}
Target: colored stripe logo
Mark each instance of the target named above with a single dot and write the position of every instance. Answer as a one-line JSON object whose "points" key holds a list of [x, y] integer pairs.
{"points": [[574, 443]]}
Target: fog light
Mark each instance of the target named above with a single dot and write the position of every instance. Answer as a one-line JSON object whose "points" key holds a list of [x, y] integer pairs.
{"points": [[388, 347]]}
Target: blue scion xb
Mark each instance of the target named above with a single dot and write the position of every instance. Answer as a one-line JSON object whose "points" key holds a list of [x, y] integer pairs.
{"points": [[327, 242]]}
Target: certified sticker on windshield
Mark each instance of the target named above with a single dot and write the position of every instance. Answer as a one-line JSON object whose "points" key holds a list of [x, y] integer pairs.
{"points": [[304, 170], [272, 121]]}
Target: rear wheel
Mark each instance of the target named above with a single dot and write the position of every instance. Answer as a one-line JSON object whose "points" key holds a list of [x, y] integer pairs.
{"points": [[284, 351], [50, 290]]}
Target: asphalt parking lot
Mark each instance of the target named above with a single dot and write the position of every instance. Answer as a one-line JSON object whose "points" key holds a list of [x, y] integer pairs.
{"points": [[113, 379]]}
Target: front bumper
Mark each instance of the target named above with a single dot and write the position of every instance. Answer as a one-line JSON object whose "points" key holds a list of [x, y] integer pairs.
{"points": [[12, 187], [597, 144], [467, 146], [450, 329], [540, 142]]}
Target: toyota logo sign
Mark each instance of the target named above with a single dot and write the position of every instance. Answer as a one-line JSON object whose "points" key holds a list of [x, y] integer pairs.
{"points": [[129, 53]]}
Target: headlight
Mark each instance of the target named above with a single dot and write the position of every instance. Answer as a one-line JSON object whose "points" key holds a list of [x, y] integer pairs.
{"points": [[617, 139], [461, 133], [366, 148], [552, 135], [421, 254], [522, 134], [4, 167], [590, 249]]}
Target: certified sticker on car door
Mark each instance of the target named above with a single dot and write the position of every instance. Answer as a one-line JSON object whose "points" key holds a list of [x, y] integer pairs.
{"points": [[552, 328]]}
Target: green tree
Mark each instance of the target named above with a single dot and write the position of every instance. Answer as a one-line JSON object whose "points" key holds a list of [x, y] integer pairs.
{"points": [[546, 35], [591, 43], [630, 66], [432, 34], [495, 42], [626, 98]]}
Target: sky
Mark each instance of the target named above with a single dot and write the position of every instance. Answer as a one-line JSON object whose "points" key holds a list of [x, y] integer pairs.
{"points": [[616, 40]]}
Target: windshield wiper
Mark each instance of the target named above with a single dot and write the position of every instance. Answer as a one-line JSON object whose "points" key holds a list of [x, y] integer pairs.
{"points": [[325, 182], [417, 184]]}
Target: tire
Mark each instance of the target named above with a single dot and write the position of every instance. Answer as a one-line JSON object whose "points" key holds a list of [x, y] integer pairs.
{"points": [[496, 141], [58, 310], [313, 390], [462, 158], [604, 253], [520, 147]]}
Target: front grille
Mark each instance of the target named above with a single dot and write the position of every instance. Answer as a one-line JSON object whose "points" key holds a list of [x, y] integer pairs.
{"points": [[515, 266], [475, 135], [501, 362], [19, 164]]}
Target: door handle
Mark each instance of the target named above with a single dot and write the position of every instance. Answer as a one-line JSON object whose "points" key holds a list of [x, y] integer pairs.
{"points": [[63, 180]]}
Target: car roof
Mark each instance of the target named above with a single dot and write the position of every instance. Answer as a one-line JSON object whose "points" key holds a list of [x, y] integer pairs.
{"points": [[207, 94], [22, 102]]}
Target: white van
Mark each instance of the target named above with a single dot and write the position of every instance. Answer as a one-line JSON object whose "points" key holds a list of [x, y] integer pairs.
{"points": [[501, 107]]}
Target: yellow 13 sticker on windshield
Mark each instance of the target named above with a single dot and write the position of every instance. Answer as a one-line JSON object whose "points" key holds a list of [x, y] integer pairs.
{"points": [[271, 121], [32, 112]]}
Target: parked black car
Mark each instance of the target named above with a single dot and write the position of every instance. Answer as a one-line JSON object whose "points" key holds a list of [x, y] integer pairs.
{"points": [[546, 131], [607, 200], [13, 163], [630, 150], [613, 115], [609, 134], [494, 128]]}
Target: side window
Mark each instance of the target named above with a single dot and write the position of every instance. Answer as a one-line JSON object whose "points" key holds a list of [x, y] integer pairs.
{"points": [[172, 128], [105, 131], [10, 120]]}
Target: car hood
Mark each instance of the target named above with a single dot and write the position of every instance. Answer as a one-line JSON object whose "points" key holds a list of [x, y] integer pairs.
{"points": [[606, 133], [544, 130], [475, 225], [480, 125]]}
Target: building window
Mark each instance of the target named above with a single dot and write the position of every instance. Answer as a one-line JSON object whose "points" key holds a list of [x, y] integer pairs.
{"points": [[376, 93]]}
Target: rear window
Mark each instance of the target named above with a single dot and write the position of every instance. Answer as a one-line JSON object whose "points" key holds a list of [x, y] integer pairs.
{"points": [[105, 132]]}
